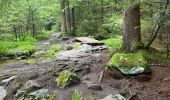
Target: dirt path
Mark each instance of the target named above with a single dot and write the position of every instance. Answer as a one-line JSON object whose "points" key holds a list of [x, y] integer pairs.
{"points": [[88, 62]]}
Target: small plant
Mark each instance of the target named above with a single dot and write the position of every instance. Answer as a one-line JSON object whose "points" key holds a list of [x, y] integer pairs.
{"points": [[77, 95], [53, 50], [65, 78]]}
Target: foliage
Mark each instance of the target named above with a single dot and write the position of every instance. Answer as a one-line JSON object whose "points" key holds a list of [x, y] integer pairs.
{"points": [[77, 95], [53, 50], [64, 78], [17, 48], [132, 63], [115, 43]]}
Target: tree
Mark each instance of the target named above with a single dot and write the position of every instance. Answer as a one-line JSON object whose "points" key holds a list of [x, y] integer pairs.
{"points": [[131, 29]]}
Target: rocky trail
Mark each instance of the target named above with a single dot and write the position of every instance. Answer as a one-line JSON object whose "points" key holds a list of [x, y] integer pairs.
{"points": [[22, 80]]}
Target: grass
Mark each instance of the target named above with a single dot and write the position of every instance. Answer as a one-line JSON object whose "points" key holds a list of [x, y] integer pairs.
{"points": [[20, 47], [77, 95]]}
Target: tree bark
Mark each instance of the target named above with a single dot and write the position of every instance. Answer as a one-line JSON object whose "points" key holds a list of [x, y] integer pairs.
{"points": [[63, 17], [131, 29], [68, 18]]}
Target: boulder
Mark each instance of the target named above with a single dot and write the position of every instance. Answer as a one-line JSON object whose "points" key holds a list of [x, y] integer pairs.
{"points": [[90, 41], [39, 95], [3, 93], [113, 97], [129, 64], [31, 85]]}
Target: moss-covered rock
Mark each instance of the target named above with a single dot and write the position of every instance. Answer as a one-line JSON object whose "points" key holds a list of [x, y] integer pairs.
{"points": [[67, 78], [129, 64]]}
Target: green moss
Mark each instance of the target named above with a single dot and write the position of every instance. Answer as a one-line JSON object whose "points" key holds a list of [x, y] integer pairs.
{"points": [[132, 63], [77, 95], [65, 77]]}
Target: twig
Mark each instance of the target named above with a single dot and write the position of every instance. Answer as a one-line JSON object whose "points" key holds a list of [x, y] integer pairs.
{"points": [[101, 75]]}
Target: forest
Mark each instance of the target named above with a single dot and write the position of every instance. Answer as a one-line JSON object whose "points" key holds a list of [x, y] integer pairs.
{"points": [[84, 49]]}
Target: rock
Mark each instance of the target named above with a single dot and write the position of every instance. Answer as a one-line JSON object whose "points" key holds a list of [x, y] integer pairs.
{"points": [[90, 41], [21, 57], [38, 53], [40, 94], [31, 85], [129, 64], [94, 86], [20, 93], [113, 97], [3, 93], [9, 79], [86, 48], [69, 48], [56, 35]]}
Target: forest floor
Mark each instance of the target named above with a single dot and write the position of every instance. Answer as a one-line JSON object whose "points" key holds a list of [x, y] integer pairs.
{"points": [[89, 64]]}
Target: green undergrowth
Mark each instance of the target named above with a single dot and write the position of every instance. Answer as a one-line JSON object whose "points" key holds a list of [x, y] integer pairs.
{"points": [[132, 63], [53, 50], [77, 95], [65, 77], [17, 47], [115, 42]]}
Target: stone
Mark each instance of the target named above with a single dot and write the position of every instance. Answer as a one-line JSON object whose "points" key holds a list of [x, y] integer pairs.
{"points": [[113, 97], [40, 94], [9, 79], [3, 93], [94, 86], [32, 85], [21, 57], [19, 93], [90, 41]]}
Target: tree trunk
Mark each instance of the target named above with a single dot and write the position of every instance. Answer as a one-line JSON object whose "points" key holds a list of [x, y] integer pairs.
{"points": [[63, 17], [131, 29], [68, 18], [73, 21]]}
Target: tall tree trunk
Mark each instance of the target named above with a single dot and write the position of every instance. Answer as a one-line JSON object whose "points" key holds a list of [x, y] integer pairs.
{"points": [[73, 26], [68, 18], [131, 29], [63, 17]]}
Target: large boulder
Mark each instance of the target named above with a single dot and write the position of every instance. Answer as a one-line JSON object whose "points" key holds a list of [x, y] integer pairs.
{"points": [[129, 64]]}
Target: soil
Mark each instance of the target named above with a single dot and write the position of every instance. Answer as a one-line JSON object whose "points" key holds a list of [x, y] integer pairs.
{"points": [[154, 86]]}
